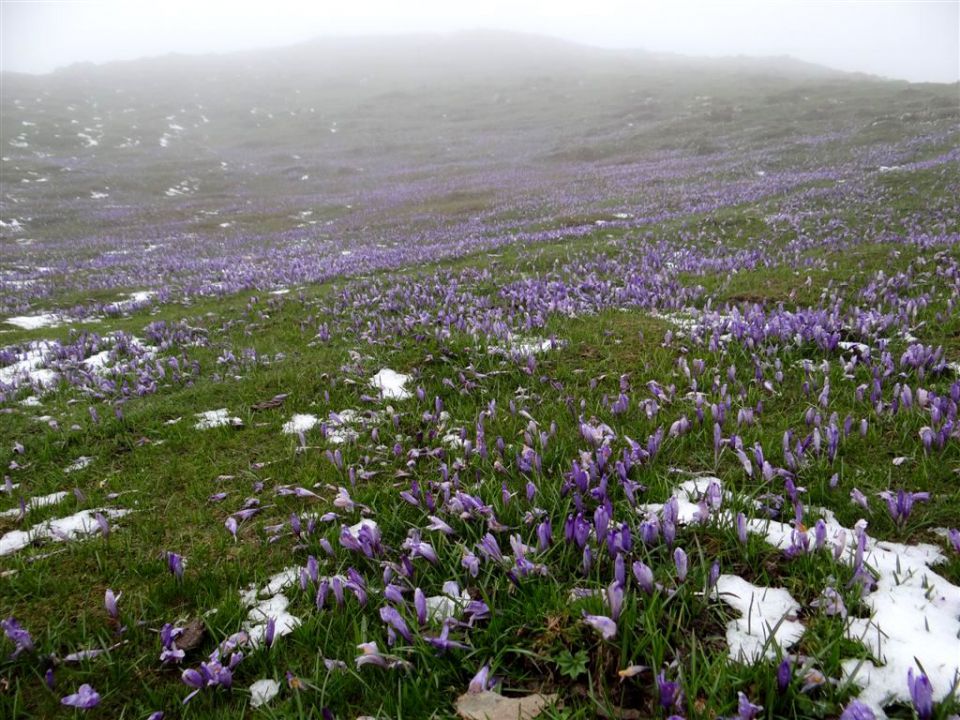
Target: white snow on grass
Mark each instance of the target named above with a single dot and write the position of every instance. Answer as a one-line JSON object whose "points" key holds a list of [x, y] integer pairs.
{"points": [[914, 614], [518, 347], [768, 619], [79, 464], [263, 691], [36, 502], [688, 495], [65, 529], [448, 605], [391, 384], [215, 418], [27, 370], [133, 299], [341, 427], [33, 322], [274, 606], [300, 423]]}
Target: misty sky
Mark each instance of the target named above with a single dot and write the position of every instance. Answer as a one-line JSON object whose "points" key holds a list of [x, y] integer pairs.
{"points": [[916, 40]]}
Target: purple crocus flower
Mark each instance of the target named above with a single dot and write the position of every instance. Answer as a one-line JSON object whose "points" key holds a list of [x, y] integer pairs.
{"points": [[680, 560], [393, 619], [831, 602], [102, 524], [746, 710], [443, 642], [671, 695], [602, 624], [859, 498], [954, 535], [644, 576], [270, 631], [110, 603], [420, 604], [84, 698], [901, 504], [18, 635], [714, 575], [438, 524], [490, 548], [784, 675], [545, 535], [615, 600], [742, 528], [481, 681], [50, 679], [856, 710], [175, 564], [921, 692]]}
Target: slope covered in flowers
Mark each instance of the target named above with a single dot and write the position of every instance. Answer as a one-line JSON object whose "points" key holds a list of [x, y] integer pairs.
{"points": [[671, 436]]}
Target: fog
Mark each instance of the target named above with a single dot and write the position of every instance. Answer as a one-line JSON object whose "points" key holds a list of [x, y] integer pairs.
{"points": [[912, 40]]}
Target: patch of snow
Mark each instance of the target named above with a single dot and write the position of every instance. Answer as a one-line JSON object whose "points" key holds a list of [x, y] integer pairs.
{"points": [[688, 494], [33, 322], [768, 619], [300, 423], [341, 427], [27, 368], [215, 418], [274, 606], [71, 527], [522, 347], [452, 440], [441, 607], [263, 691], [914, 613], [79, 464], [36, 502], [391, 384]]}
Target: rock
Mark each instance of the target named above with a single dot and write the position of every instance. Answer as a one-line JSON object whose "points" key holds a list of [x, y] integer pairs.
{"points": [[491, 706]]}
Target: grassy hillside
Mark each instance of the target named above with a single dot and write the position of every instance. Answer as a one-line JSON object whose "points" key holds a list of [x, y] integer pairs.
{"points": [[675, 338]]}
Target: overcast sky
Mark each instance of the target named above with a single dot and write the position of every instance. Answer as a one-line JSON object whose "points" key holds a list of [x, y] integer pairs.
{"points": [[910, 39]]}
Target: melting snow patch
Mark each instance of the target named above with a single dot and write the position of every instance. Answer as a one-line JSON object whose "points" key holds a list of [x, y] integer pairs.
{"points": [[441, 607], [391, 384], [33, 322], [689, 494], [37, 502], [27, 367], [263, 691], [767, 619], [216, 418], [299, 424], [522, 347], [79, 464], [273, 607], [914, 613], [63, 529], [341, 424]]}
